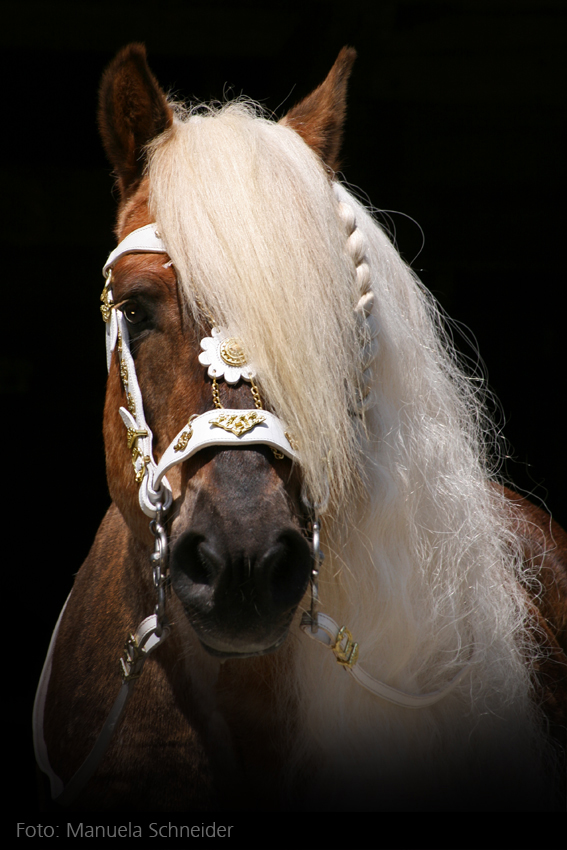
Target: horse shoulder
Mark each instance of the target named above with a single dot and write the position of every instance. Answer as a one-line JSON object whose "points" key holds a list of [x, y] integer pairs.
{"points": [[545, 553], [156, 731], [545, 547]]}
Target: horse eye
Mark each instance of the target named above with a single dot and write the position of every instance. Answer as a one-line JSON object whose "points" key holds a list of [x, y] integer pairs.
{"points": [[133, 313]]}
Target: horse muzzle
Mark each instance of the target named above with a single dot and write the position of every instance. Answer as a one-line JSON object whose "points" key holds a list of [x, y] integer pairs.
{"points": [[240, 595]]}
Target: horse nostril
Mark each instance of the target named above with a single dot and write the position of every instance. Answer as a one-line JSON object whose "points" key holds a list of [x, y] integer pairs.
{"points": [[196, 559], [286, 567]]}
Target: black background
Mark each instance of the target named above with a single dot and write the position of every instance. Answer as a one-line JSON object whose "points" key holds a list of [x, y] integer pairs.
{"points": [[456, 119]]}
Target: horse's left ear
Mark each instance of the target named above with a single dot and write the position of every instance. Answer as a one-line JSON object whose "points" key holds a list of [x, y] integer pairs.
{"points": [[319, 118], [133, 110]]}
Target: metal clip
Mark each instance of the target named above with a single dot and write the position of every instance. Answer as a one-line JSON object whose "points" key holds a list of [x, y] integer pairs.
{"points": [[347, 655], [317, 561], [133, 661], [158, 560]]}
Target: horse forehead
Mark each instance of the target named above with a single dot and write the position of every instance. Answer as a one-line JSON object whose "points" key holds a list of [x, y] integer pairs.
{"points": [[135, 211]]}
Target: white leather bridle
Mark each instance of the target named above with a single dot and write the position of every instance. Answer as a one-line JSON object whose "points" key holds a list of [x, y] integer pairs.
{"points": [[202, 430]]}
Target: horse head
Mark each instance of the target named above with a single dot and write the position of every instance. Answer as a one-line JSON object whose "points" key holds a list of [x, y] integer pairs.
{"points": [[239, 507]]}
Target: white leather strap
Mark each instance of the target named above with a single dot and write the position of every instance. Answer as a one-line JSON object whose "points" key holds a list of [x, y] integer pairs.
{"points": [[39, 745], [207, 430], [144, 240], [327, 634], [146, 639]]}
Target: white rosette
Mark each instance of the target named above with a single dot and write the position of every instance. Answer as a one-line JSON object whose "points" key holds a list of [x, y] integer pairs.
{"points": [[225, 358]]}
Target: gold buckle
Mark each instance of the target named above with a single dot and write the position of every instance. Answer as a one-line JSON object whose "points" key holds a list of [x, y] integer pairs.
{"points": [[130, 664], [347, 655]]}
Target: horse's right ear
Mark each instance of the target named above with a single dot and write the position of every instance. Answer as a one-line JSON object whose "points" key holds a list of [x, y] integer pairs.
{"points": [[133, 110]]}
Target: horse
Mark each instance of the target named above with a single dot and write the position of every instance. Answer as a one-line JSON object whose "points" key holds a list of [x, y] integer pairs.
{"points": [[311, 590]]}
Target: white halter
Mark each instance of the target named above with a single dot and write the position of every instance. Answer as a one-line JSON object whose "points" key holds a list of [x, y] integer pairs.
{"points": [[214, 428]]}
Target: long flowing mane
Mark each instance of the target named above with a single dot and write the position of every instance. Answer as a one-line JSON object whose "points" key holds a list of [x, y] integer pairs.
{"points": [[252, 225]]}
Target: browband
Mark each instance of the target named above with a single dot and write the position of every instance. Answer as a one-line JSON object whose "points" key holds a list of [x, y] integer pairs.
{"points": [[144, 240]]}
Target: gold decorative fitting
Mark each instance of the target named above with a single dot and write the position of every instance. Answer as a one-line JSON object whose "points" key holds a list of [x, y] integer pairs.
{"points": [[142, 470], [183, 440], [133, 435], [224, 357], [231, 352], [346, 655], [106, 298], [291, 441], [238, 424], [131, 668]]}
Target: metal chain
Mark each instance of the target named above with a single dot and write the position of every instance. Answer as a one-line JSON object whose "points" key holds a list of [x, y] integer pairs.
{"points": [[216, 396], [317, 560], [158, 560], [256, 394], [253, 389]]}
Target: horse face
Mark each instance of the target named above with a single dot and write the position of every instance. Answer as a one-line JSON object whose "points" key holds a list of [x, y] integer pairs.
{"points": [[239, 562]]}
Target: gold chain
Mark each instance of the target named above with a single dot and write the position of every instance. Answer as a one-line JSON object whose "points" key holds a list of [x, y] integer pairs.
{"points": [[253, 389], [216, 396], [256, 394]]}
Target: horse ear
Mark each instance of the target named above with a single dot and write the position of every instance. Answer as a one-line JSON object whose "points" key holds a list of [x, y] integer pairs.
{"points": [[319, 118], [132, 111]]}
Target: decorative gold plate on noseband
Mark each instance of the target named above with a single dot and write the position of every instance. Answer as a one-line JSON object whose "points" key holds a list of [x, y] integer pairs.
{"points": [[238, 424], [183, 440]]}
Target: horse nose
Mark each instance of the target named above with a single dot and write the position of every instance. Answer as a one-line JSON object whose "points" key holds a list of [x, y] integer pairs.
{"points": [[243, 587]]}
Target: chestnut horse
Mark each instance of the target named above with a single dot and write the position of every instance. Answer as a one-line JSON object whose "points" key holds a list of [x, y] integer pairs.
{"points": [[291, 447]]}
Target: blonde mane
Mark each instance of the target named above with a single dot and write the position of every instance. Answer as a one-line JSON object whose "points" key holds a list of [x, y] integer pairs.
{"points": [[426, 577], [250, 222]]}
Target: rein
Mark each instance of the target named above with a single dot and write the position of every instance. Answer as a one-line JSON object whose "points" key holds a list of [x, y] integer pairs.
{"points": [[218, 427]]}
